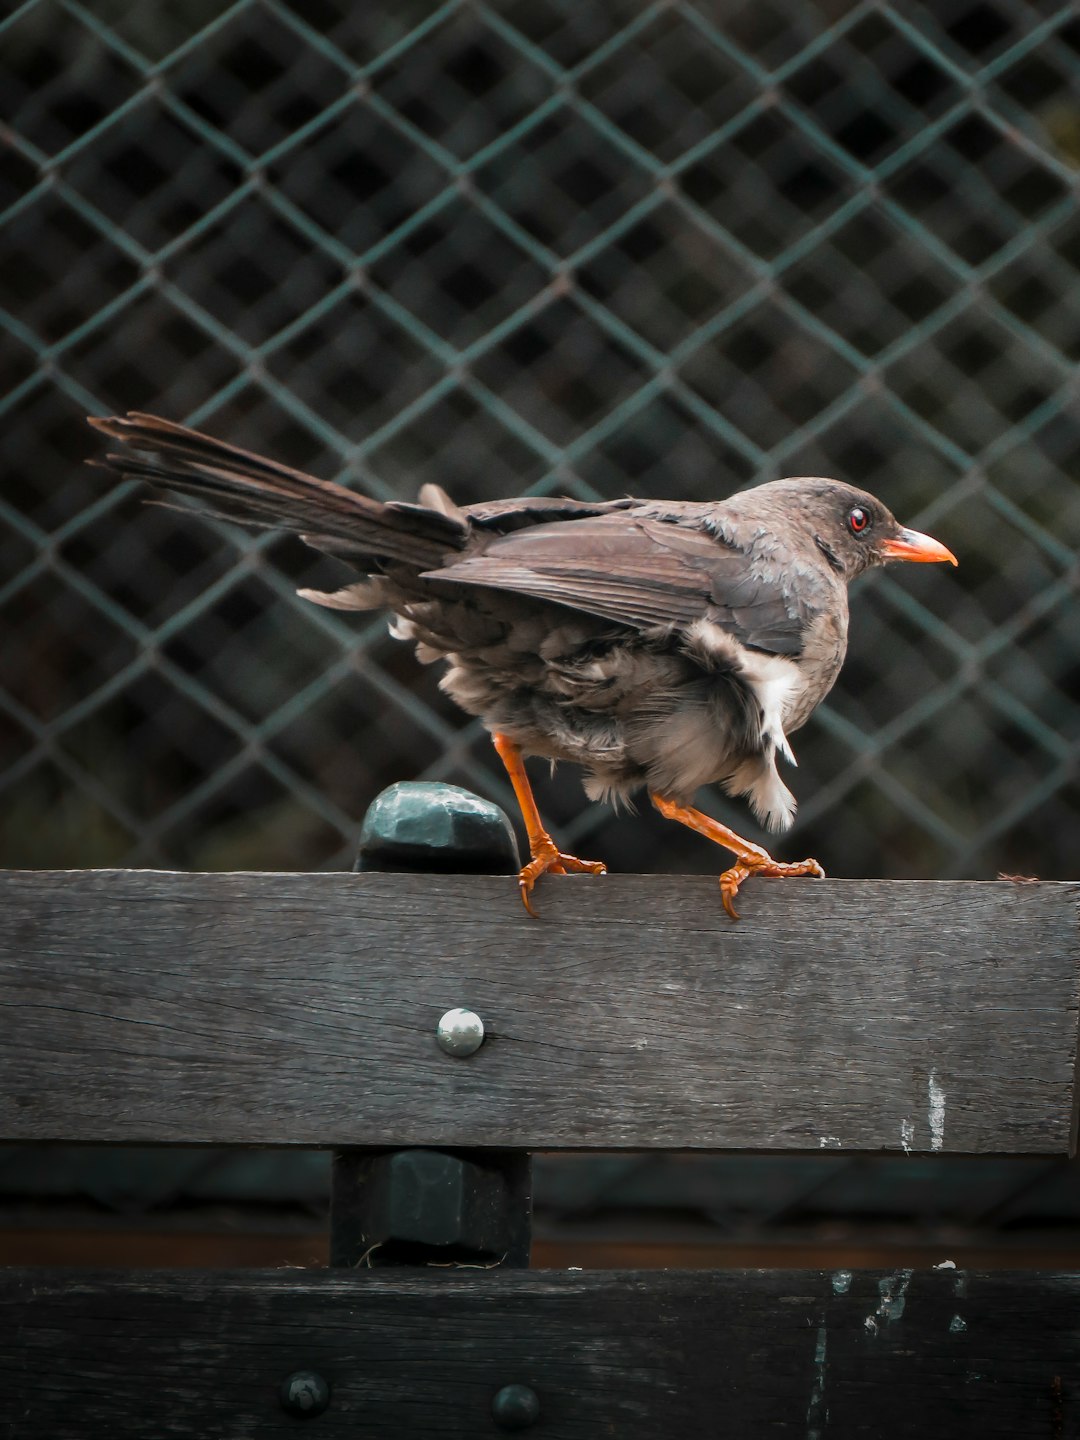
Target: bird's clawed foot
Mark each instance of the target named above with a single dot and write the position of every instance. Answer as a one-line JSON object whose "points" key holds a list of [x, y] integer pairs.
{"points": [[731, 879], [547, 859], [750, 859]]}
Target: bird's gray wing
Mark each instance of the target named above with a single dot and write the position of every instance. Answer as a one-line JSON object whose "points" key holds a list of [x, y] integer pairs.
{"points": [[642, 572]]}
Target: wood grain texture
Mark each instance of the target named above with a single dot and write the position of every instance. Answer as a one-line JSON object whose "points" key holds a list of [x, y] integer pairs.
{"points": [[676, 1354], [300, 1009]]}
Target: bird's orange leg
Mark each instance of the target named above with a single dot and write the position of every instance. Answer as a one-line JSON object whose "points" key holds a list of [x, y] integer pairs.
{"points": [[750, 859], [546, 857]]}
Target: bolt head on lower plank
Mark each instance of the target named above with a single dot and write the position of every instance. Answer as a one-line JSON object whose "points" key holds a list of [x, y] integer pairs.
{"points": [[304, 1394], [515, 1407]]}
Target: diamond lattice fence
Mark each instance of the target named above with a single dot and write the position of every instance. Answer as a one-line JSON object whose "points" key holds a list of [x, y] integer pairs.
{"points": [[667, 249]]}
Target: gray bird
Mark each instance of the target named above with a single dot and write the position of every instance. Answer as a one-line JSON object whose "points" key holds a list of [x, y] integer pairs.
{"points": [[659, 644]]}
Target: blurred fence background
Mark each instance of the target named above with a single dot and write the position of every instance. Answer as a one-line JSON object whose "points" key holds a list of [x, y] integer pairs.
{"points": [[545, 246]]}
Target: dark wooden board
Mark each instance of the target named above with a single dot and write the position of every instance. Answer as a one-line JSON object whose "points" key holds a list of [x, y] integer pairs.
{"points": [[300, 1009], [635, 1354]]}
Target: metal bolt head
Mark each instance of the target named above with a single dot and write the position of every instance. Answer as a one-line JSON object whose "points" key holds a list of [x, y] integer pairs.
{"points": [[515, 1407], [304, 1393], [460, 1032]]}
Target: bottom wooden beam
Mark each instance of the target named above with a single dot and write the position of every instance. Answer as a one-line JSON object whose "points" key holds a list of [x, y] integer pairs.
{"points": [[735, 1353]]}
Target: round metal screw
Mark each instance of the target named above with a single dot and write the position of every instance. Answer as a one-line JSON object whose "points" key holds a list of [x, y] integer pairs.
{"points": [[304, 1393], [460, 1032], [515, 1407]]}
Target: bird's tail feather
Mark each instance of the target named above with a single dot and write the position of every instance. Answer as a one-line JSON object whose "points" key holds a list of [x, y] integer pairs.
{"points": [[244, 487]]}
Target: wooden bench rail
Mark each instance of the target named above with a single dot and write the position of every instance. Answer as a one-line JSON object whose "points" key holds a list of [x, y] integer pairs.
{"points": [[411, 1354], [260, 1009]]}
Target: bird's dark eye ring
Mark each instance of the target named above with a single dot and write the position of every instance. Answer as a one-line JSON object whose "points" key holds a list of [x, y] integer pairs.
{"points": [[857, 520]]}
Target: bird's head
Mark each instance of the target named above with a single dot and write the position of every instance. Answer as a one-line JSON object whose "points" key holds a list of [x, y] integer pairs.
{"points": [[850, 528]]}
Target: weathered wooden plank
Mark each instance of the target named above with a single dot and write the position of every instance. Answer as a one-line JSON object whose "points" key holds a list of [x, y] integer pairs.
{"points": [[637, 1354], [301, 1009]]}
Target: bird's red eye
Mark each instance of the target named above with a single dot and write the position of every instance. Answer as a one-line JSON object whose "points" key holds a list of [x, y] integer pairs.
{"points": [[857, 520]]}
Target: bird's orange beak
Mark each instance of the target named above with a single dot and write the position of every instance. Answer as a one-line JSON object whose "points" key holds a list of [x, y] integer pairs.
{"points": [[910, 545]]}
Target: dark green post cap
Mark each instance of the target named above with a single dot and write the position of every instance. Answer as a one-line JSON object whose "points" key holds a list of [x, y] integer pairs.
{"points": [[427, 826]]}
